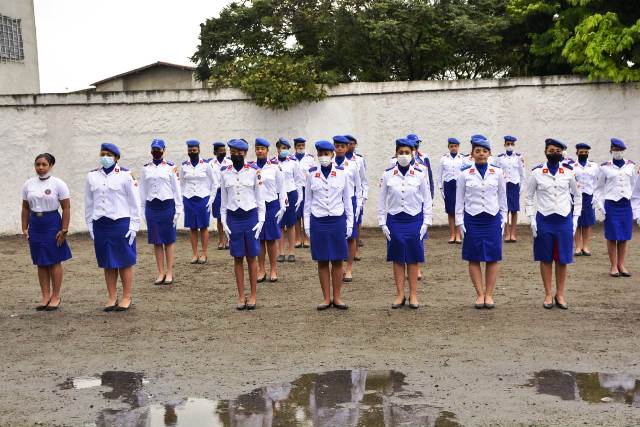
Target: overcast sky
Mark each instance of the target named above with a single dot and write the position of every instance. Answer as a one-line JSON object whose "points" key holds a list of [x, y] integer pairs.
{"points": [[84, 41]]}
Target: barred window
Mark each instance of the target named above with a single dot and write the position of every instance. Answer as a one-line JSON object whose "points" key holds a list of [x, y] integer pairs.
{"points": [[11, 46]]}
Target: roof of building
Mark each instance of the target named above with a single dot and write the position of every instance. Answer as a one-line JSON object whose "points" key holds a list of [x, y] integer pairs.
{"points": [[146, 67]]}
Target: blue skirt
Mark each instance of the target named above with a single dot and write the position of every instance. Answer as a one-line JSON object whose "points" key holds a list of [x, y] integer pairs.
{"points": [[112, 248], [215, 208], [449, 188], [195, 212], [513, 197], [328, 241], [588, 214], [242, 241], [300, 213], [405, 245], [618, 220], [483, 237], [290, 217], [554, 241], [43, 228], [159, 214], [354, 203], [270, 230]]}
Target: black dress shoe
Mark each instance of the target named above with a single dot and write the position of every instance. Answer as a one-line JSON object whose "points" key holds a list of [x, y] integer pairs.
{"points": [[547, 306], [161, 281], [42, 307], [273, 279], [577, 253], [347, 279], [305, 246], [299, 245], [280, 258], [489, 306], [625, 274], [458, 242], [562, 306], [121, 308], [242, 306], [614, 274], [322, 307], [395, 306], [251, 306], [53, 308], [478, 306], [110, 307], [585, 253], [414, 306], [168, 282], [262, 279], [291, 258], [357, 258], [341, 306], [451, 242]]}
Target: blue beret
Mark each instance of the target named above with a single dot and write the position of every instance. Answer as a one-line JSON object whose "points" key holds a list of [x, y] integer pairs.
{"points": [[478, 136], [261, 142], [110, 147], [350, 138], [324, 146], [414, 137], [157, 143], [299, 140], [193, 143], [510, 138], [555, 143], [583, 146], [340, 139], [453, 141], [478, 142], [218, 144], [284, 142], [238, 144], [405, 142], [615, 142]]}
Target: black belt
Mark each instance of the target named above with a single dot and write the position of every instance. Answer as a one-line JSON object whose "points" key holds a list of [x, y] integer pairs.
{"points": [[41, 214]]}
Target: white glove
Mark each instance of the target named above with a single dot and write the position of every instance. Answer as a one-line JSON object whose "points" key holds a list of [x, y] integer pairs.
{"points": [[131, 235], [386, 232], [279, 215], [258, 228], [356, 214], [93, 237], [638, 221], [209, 208], [175, 219], [463, 230], [349, 231], [534, 227], [226, 229], [604, 213], [502, 227], [423, 231], [307, 231], [298, 203], [575, 224]]}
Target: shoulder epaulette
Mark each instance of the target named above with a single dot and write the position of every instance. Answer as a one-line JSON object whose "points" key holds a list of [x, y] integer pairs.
{"points": [[274, 162], [224, 167], [465, 167], [568, 166], [605, 163], [631, 162], [417, 169], [313, 169], [124, 169], [388, 169], [170, 163], [254, 166], [518, 154], [186, 162], [493, 165], [359, 155], [207, 160], [537, 167], [147, 164], [501, 155], [95, 170], [340, 167]]}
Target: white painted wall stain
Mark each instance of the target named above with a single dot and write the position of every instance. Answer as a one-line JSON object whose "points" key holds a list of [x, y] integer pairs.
{"points": [[72, 126]]}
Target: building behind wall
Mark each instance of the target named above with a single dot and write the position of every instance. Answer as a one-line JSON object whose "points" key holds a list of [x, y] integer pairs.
{"points": [[18, 48], [156, 76]]}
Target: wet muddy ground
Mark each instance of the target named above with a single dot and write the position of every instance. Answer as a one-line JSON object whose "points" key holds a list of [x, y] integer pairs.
{"points": [[185, 356]]}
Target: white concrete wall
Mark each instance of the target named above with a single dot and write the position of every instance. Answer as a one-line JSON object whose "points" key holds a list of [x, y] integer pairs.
{"points": [[72, 126], [21, 77]]}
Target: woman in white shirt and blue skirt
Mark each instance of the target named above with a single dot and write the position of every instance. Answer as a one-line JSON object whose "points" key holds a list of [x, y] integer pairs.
{"points": [[45, 229], [481, 214], [553, 203], [293, 185], [328, 221], [197, 184], [112, 214], [404, 214], [616, 180], [587, 177], [242, 211], [219, 160], [275, 198], [162, 205]]}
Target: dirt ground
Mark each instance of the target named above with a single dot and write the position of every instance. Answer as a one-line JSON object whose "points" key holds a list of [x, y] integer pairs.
{"points": [[188, 341]]}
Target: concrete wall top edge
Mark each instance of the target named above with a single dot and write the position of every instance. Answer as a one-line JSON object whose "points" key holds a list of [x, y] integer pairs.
{"points": [[346, 89]]}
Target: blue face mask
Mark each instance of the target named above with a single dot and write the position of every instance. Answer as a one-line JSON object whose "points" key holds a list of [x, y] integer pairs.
{"points": [[284, 153], [107, 161]]}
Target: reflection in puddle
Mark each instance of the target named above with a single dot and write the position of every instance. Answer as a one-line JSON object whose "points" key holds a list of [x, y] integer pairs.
{"points": [[338, 398], [590, 387]]}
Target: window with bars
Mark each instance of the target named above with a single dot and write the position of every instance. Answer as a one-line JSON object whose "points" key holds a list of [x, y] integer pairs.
{"points": [[11, 46]]}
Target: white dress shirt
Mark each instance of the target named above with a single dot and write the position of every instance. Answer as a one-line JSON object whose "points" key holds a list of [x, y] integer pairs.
{"points": [[160, 182], [362, 171], [241, 190], [476, 194], [272, 179], [450, 168], [553, 192], [330, 196], [114, 196], [293, 175], [512, 166], [353, 178], [44, 195], [198, 180], [217, 166], [587, 175], [407, 193], [306, 163], [614, 183]]}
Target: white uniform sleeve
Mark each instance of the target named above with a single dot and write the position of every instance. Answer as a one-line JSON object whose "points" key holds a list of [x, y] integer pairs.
{"points": [[461, 188], [576, 191], [298, 176], [308, 200], [440, 174], [427, 204], [530, 194], [282, 194], [502, 197], [25, 191], [63, 190], [183, 182], [212, 185], [382, 201], [216, 179], [521, 171], [133, 194], [357, 189], [363, 179], [635, 199], [223, 200], [88, 203], [259, 199], [347, 193], [143, 189], [598, 193], [177, 193]]}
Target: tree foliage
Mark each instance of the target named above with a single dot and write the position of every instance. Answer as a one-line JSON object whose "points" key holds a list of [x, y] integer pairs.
{"points": [[282, 52]]}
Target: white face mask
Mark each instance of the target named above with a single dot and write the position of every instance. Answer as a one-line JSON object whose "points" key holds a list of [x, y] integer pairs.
{"points": [[509, 148], [404, 160], [107, 161], [617, 155], [324, 160]]}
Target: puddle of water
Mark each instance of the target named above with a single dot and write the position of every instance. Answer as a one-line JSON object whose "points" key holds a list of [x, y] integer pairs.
{"points": [[592, 387], [351, 398]]}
